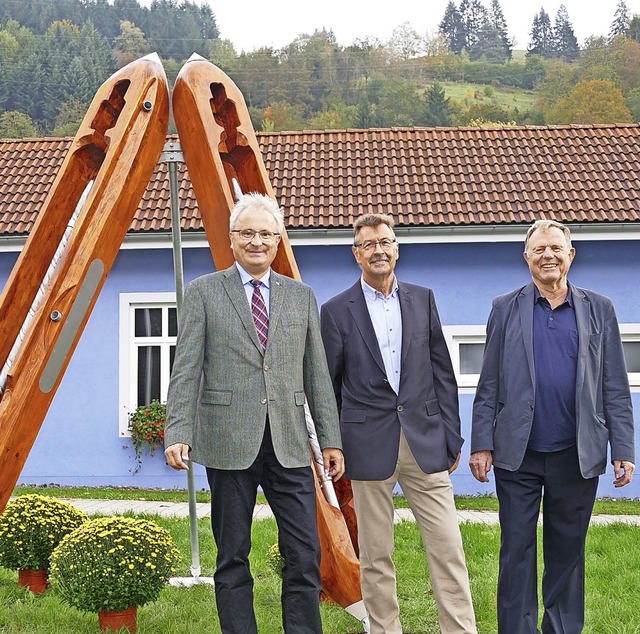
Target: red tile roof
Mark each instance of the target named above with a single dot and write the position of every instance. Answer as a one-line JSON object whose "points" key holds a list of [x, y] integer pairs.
{"points": [[423, 176]]}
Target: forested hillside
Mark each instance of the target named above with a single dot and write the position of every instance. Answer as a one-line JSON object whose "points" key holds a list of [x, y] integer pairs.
{"points": [[55, 53]]}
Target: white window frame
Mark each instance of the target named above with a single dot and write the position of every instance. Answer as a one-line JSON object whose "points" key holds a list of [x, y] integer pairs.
{"points": [[128, 353], [631, 332], [456, 335]]}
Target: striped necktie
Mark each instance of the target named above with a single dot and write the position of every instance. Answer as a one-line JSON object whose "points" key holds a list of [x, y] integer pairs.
{"points": [[259, 312]]}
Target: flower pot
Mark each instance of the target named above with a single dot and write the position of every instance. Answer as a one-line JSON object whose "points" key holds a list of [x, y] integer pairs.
{"points": [[116, 620], [35, 580]]}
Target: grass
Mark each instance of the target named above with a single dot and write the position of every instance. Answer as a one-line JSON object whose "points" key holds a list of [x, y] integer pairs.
{"points": [[503, 95], [606, 506], [613, 576]]}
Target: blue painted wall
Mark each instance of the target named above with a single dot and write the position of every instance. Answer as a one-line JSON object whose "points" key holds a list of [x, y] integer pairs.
{"points": [[79, 444]]}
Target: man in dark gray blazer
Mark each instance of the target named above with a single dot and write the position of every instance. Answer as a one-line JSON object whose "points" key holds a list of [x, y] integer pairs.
{"points": [[236, 405], [398, 402], [553, 394]]}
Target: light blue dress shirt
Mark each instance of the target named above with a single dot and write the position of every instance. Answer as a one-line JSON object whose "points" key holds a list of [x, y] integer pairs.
{"points": [[387, 322], [248, 287]]}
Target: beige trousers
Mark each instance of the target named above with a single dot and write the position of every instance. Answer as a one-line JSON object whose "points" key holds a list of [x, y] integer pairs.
{"points": [[430, 497]]}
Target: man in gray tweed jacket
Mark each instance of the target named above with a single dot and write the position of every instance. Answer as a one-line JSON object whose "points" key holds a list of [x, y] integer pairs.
{"points": [[237, 407]]}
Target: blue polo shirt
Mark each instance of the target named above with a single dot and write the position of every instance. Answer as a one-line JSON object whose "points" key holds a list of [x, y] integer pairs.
{"points": [[555, 352]]}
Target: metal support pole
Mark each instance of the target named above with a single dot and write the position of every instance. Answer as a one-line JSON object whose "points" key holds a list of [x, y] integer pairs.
{"points": [[172, 155]]}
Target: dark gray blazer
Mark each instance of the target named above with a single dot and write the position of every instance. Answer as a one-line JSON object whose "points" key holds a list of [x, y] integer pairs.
{"points": [[223, 386], [504, 403], [371, 414]]}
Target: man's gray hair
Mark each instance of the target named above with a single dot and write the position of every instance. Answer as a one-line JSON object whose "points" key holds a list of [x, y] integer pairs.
{"points": [[372, 220], [255, 200], [547, 224]]}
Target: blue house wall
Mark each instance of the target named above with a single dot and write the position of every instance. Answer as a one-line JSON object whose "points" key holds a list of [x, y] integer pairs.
{"points": [[79, 442]]}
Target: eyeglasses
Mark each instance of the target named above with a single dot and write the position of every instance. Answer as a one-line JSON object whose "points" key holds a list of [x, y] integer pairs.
{"points": [[370, 245], [247, 235]]}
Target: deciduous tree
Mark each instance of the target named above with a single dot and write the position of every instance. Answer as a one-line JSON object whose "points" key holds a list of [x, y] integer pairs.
{"points": [[591, 102], [16, 125]]}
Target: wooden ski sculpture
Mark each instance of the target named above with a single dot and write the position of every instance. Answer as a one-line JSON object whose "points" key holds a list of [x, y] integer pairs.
{"points": [[116, 149], [220, 147], [56, 280]]}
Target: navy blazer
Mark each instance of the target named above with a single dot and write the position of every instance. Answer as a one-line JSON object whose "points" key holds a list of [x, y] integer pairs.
{"points": [[504, 404], [371, 414]]}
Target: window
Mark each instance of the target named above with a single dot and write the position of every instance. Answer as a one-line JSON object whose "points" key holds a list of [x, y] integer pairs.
{"points": [[148, 331], [630, 334], [466, 347]]}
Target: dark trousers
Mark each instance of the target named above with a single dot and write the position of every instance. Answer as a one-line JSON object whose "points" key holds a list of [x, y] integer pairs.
{"points": [[567, 504], [292, 498]]}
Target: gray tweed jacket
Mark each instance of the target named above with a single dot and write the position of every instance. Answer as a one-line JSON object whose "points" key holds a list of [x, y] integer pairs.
{"points": [[223, 386]]}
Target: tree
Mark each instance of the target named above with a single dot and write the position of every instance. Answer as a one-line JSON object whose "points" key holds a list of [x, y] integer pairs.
{"points": [[69, 118], [489, 46], [621, 19], [405, 43], [452, 28], [559, 80], [283, 116], [16, 125], [399, 103], [499, 23], [339, 116], [592, 102], [130, 44], [223, 54], [634, 28], [564, 39], [438, 109], [473, 15], [541, 34]]}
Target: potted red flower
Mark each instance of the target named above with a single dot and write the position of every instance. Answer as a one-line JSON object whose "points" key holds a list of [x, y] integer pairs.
{"points": [[146, 426]]}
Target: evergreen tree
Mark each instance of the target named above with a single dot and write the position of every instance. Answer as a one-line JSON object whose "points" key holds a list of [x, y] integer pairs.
{"points": [[489, 46], [565, 42], [97, 60], [634, 28], [473, 15], [29, 78], [541, 33], [621, 19], [438, 109], [452, 29], [499, 23]]}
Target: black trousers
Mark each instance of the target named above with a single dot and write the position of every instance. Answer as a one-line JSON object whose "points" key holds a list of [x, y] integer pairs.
{"points": [[292, 498], [567, 503]]}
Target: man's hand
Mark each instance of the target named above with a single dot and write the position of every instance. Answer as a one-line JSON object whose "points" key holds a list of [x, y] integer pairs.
{"points": [[454, 466], [333, 461], [623, 470], [480, 464], [177, 455]]}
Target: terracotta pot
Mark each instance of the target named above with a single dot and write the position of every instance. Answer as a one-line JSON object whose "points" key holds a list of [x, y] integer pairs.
{"points": [[35, 580], [115, 620]]}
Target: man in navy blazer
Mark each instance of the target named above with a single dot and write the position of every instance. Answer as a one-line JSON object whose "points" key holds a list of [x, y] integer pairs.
{"points": [[398, 402], [553, 394]]}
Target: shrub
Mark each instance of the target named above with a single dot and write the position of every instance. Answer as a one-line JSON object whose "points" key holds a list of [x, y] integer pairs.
{"points": [[113, 563], [30, 529]]}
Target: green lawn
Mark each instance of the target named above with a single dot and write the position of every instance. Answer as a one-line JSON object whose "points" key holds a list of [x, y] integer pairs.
{"points": [[504, 96], [613, 571], [607, 506]]}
